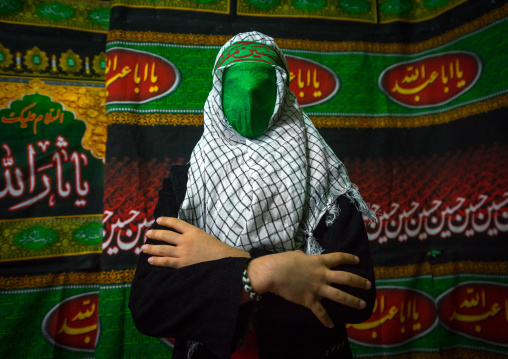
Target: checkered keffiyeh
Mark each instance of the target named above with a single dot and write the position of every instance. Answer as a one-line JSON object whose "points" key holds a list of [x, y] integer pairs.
{"points": [[269, 192]]}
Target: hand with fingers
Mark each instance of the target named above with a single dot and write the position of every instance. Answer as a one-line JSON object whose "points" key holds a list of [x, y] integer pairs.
{"points": [[306, 279], [295, 276], [188, 245]]}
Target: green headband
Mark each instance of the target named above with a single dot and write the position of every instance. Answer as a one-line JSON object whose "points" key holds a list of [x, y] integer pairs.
{"points": [[248, 51]]}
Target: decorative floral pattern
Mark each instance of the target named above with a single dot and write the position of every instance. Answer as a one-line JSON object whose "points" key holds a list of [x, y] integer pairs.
{"points": [[10, 6], [99, 64], [218, 6], [46, 237], [434, 4], [55, 11], [263, 4], [36, 60], [71, 14], [36, 237], [355, 6], [309, 5], [70, 62], [5, 57], [89, 108], [397, 7], [68, 278], [90, 233], [99, 16], [414, 10], [353, 10]]}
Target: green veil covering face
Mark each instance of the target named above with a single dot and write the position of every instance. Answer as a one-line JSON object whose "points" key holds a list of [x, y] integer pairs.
{"points": [[249, 91]]}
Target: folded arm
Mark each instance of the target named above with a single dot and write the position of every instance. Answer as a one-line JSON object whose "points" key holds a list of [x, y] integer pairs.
{"points": [[297, 277], [188, 283], [177, 303]]}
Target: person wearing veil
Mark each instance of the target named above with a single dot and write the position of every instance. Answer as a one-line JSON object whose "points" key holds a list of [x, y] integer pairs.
{"points": [[259, 249]]}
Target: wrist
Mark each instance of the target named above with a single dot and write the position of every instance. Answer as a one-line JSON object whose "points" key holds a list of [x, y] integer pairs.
{"points": [[258, 271]]}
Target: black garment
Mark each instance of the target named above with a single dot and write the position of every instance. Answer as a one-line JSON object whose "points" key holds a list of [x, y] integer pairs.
{"points": [[200, 302]]}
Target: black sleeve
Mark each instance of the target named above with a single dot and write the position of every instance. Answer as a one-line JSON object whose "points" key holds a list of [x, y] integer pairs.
{"points": [[198, 302], [348, 235], [286, 325]]}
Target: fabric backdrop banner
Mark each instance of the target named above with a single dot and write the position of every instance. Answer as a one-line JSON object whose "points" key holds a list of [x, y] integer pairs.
{"points": [[53, 146], [411, 95]]}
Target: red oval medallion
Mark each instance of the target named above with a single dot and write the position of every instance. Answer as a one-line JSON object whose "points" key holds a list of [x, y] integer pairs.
{"points": [[134, 76], [399, 316], [432, 80], [312, 83], [476, 310], [73, 324]]}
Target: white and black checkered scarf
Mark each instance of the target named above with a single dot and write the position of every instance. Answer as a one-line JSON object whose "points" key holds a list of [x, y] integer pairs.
{"points": [[270, 192]]}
